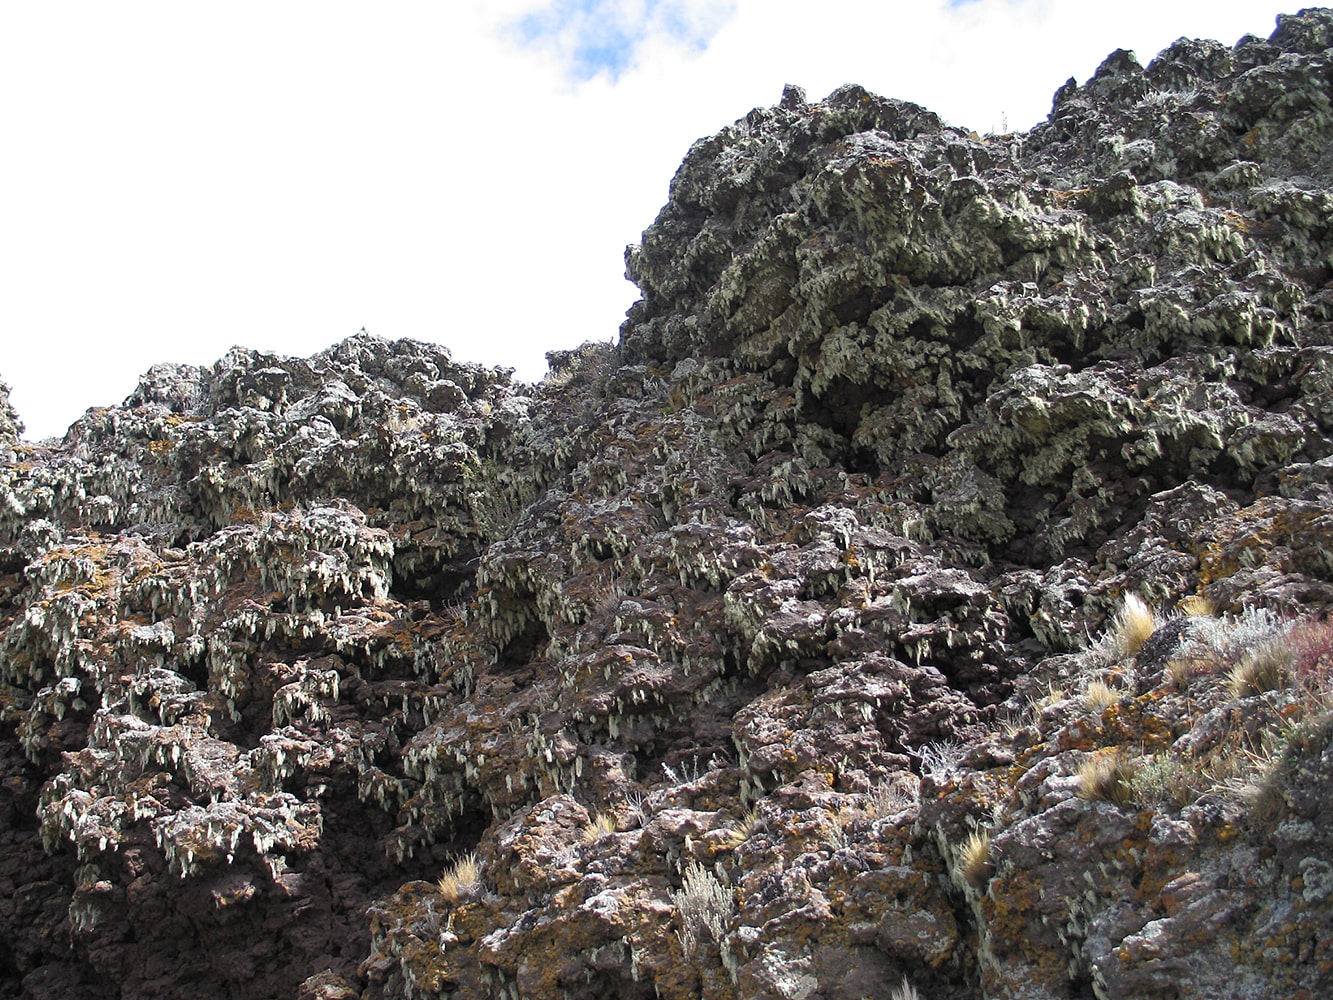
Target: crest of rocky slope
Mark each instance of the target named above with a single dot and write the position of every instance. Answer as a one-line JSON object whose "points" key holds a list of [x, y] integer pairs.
{"points": [[926, 596]]}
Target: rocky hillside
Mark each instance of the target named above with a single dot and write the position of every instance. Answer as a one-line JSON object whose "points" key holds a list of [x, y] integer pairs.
{"points": [[925, 597]]}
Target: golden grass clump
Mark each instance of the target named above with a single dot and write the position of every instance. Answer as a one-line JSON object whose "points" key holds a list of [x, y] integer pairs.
{"points": [[1106, 776], [736, 835], [1134, 624], [598, 827], [1099, 695], [747, 823], [1263, 668], [974, 863], [1198, 606], [1181, 668], [462, 880]]}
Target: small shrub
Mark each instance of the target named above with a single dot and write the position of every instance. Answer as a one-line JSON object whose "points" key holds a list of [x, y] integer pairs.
{"points": [[1164, 780], [1254, 626], [705, 906], [1219, 644], [889, 798], [1133, 625], [462, 880], [939, 760], [973, 864], [591, 364], [1311, 643], [1106, 776]]}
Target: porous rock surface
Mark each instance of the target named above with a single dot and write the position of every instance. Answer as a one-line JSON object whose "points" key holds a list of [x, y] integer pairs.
{"points": [[755, 655]]}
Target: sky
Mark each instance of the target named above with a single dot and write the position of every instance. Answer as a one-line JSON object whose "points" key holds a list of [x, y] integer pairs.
{"points": [[183, 177]]}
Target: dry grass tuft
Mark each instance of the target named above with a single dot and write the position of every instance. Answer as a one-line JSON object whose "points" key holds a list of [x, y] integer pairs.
{"points": [[741, 831], [1262, 668], [1106, 776], [705, 906], [1099, 696], [1198, 606], [1181, 668], [973, 865], [904, 991], [598, 827], [747, 823], [1133, 626], [462, 880]]}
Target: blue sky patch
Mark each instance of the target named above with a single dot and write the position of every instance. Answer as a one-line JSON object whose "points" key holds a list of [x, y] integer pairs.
{"points": [[596, 37]]}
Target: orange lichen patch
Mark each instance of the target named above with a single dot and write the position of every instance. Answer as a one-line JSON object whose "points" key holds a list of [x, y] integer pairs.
{"points": [[1011, 910], [1135, 721], [403, 634], [1062, 199], [1237, 221], [244, 515], [77, 566], [1271, 531], [1082, 734], [1165, 880]]}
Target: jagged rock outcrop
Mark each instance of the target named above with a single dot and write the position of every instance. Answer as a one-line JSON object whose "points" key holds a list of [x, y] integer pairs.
{"points": [[792, 647], [11, 428]]}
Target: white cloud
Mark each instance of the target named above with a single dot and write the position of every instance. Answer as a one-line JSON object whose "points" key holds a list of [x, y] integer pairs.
{"points": [[184, 177], [593, 38]]}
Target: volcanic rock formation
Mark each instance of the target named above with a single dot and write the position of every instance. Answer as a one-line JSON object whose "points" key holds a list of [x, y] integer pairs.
{"points": [[926, 596]]}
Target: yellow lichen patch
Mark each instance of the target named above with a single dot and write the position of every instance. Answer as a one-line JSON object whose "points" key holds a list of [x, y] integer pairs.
{"points": [[1062, 199], [1136, 721], [1271, 531], [1237, 221], [244, 515]]}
